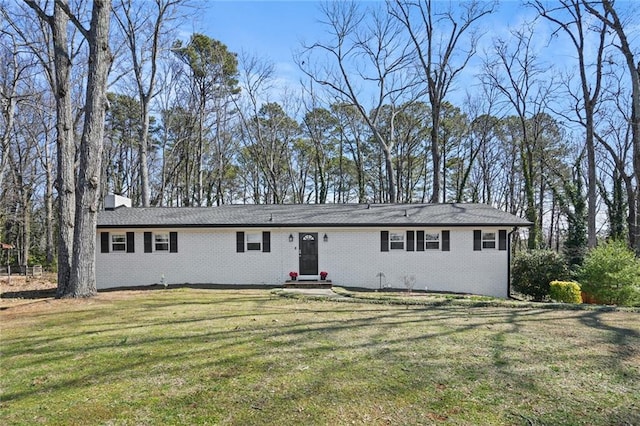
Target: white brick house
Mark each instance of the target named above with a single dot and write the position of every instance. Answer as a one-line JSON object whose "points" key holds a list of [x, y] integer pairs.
{"points": [[444, 247]]}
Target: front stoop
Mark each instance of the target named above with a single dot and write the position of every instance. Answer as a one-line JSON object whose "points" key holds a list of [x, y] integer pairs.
{"points": [[307, 284]]}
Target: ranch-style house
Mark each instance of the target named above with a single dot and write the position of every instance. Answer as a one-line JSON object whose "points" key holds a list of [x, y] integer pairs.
{"points": [[462, 248]]}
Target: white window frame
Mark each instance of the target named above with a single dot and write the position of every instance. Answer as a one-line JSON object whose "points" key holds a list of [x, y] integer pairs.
{"points": [[161, 242], [253, 241], [119, 243], [489, 240], [431, 243], [397, 239]]}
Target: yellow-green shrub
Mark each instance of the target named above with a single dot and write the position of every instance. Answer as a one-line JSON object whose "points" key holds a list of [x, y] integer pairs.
{"points": [[565, 291]]}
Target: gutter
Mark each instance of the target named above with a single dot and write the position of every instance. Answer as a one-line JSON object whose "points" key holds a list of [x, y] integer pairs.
{"points": [[515, 228]]}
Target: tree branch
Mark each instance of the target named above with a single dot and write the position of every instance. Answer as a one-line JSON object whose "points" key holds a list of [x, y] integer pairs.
{"points": [[64, 6]]}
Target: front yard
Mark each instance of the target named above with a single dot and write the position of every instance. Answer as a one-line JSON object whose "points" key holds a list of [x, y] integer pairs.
{"points": [[192, 356]]}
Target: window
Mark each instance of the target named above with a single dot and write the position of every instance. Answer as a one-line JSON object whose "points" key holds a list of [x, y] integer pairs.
{"points": [[254, 242], [397, 240], [488, 240], [119, 242], [432, 241], [419, 240], [161, 242]]}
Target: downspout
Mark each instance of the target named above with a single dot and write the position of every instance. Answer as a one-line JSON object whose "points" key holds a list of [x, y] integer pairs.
{"points": [[509, 261]]}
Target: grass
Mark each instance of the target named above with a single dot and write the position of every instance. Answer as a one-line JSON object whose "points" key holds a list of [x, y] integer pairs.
{"points": [[190, 356]]}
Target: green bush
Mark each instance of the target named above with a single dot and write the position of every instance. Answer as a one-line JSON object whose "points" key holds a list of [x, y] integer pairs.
{"points": [[532, 272], [611, 274], [565, 291]]}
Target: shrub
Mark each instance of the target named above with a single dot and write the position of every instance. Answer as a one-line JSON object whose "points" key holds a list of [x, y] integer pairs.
{"points": [[611, 274], [565, 291], [533, 271]]}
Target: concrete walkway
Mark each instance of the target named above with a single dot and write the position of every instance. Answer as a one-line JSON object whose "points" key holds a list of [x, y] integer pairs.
{"points": [[314, 292]]}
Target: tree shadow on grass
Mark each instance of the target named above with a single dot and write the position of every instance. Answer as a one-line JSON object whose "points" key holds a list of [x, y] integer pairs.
{"points": [[50, 293], [197, 286], [28, 295], [626, 341], [257, 348]]}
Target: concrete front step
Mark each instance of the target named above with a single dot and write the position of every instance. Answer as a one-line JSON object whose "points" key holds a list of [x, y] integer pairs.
{"points": [[308, 284]]}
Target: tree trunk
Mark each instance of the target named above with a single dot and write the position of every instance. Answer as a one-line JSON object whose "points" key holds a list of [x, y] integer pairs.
{"points": [[9, 111], [591, 180], [66, 180], [392, 196], [611, 18], [83, 279], [632, 200], [144, 153], [26, 226], [48, 208], [530, 209], [435, 153]]}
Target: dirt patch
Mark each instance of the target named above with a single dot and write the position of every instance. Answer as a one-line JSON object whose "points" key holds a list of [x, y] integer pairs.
{"points": [[20, 283], [20, 295], [21, 290]]}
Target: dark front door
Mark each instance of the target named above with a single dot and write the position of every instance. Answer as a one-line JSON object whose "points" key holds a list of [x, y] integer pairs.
{"points": [[308, 253]]}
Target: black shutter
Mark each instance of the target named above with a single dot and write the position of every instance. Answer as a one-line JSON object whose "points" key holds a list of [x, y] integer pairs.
{"points": [[131, 242], [384, 240], [173, 242], [411, 246], [446, 237], [502, 239], [147, 242], [477, 240], [420, 240], [266, 242], [240, 242], [104, 242]]}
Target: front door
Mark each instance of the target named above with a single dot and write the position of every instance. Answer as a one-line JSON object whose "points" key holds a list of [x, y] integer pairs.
{"points": [[308, 253]]}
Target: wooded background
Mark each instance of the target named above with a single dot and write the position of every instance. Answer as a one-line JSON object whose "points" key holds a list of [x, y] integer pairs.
{"points": [[401, 101]]}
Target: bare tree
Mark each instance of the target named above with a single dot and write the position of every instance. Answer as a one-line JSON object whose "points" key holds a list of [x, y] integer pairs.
{"points": [[23, 166], [568, 17], [10, 76], [17, 161], [320, 127], [616, 137], [46, 158], [606, 12], [78, 200], [352, 134], [367, 57], [438, 38], [144, 25], [515, 72], [256, 80], [66, 148], [211, 72], [83, 280]]}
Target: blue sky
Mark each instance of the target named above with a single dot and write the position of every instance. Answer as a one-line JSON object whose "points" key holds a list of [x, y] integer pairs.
{"points": [[276, 29], [270, 29]]}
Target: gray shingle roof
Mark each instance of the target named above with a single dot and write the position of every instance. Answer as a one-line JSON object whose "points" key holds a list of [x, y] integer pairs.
{"points": [[318, 215]]}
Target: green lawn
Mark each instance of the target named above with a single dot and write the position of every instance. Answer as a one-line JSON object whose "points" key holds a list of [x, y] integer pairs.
{"points": [[193, 356]]}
